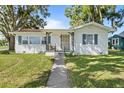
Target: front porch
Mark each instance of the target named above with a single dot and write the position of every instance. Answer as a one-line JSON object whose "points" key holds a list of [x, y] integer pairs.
{"points": [[59, 41]]}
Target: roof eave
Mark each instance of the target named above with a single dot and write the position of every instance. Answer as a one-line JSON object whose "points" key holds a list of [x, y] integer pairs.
{"points": [[96, 24]]}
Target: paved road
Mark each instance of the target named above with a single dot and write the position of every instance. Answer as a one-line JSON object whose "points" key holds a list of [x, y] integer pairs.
{"points": [[58, 77]]}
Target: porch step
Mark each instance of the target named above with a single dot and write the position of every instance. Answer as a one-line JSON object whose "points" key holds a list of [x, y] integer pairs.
{"points": [[53, 54]]}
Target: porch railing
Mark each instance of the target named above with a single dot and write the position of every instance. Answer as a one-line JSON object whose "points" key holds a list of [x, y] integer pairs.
{"points": [[51, 47]]}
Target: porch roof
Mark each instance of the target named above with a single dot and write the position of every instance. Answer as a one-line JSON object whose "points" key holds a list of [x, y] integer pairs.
{"points": [[40, 30]]}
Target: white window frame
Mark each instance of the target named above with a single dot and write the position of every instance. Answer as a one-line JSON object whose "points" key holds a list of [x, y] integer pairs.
{"points": [[93, 39], [114, 39], [29, 40], [34, 36], [23, 39]]}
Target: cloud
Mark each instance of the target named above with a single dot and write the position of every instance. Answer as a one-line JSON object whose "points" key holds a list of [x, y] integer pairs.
{"points": [[55, 24]]}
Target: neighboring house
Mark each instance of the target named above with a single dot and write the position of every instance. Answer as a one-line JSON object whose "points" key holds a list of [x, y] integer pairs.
{"points": [[116, 41], [88, 39]]}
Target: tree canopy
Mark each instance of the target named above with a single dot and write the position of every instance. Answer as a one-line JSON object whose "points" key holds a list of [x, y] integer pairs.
{"points": [[15, 17], [79, 14]]}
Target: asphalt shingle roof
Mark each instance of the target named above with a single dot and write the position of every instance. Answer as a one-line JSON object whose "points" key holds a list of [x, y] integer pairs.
{"points": [[30, 30]]}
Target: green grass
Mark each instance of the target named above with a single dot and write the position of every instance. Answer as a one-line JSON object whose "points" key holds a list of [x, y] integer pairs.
{"points": [[24, 70], [102, 71], [3, 47]]}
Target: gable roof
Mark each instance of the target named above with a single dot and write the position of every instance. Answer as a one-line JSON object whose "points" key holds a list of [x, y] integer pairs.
{"points": [[121, 34], [94, 24], [69, 30]]}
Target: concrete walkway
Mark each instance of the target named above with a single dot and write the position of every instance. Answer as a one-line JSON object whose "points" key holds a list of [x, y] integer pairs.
{"points": [[58, 77]]}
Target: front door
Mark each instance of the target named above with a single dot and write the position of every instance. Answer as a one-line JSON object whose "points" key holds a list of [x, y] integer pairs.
{"points": [[65, 42]]}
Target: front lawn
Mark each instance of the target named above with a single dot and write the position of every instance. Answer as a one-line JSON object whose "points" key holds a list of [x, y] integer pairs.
{"points": [[3, 47], [24, 70], [103, 71]]}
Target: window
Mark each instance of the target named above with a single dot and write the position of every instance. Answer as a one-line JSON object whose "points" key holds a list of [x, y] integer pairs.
{"points": [[115, 41], [90, 39], [34, 40], [19, 40], [24, 40]]}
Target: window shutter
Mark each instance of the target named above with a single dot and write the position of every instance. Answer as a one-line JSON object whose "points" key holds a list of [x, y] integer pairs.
{"points": [[96, 39], [84, 39], [19, 40], [44, 40]]}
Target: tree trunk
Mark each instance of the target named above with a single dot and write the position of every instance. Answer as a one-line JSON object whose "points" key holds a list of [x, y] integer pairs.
{"points": [[11, 42]]}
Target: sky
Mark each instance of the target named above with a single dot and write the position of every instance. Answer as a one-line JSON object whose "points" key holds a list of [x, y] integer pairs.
{"points": [[58, 20]]}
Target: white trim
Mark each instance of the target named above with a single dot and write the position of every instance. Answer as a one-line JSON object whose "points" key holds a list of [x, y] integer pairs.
{"points": [[114, 39], [34, 36], [95, 24], [23, 39], [29, 40], [92, 41]]}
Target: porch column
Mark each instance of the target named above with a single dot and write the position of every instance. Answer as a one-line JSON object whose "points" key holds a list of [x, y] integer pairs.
{"points": [[47, 40], [72, 40]]}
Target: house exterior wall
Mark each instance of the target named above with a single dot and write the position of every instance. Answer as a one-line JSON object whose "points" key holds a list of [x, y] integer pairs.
{"points": [[100, 48], [37, 48], [121, 42], [79, 48]]}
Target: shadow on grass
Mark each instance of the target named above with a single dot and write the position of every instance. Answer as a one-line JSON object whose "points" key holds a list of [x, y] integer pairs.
{"points": [[87, 82], [7, 52], [102, 63], [111, 64], [41, 81]]}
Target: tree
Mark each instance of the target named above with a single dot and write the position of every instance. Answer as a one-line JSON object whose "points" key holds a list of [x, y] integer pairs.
{"points": [[98, 13], [116, 17], [82, 14], [17, 17]]}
